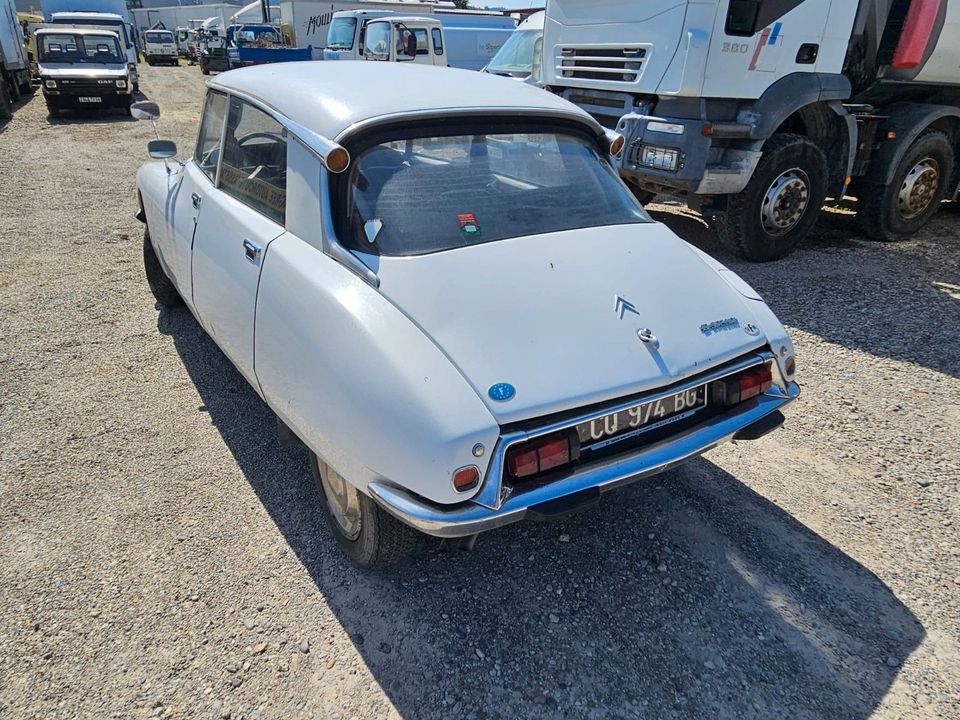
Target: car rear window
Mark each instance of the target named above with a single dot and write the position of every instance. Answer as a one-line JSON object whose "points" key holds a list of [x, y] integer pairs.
{"points": [[429, 194]]}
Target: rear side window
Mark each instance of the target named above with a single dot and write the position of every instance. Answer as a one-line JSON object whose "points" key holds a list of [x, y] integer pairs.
{"points": [[437, 41], [254, 168], [211, 130]]}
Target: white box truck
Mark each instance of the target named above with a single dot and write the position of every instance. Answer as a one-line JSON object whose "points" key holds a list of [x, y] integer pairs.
{"points": [[14, 62], [757, 110]]}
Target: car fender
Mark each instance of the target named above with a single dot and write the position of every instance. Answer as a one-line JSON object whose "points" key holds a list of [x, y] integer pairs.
{"points": [[359, 382], [771, 327], [153, 187]]}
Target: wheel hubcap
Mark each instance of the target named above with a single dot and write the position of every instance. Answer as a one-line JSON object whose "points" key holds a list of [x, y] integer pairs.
{"points": [[343, 501], [785, 202], [919, 188]]}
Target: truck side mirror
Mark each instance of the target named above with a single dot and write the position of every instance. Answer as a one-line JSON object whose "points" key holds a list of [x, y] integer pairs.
{"points": [[410, 47]]}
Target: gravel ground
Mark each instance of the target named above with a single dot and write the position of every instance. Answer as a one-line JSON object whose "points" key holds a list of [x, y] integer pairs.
{"points": [[162, 556]]}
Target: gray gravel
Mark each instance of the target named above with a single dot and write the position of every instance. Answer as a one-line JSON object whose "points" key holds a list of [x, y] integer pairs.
{"points": [[162, 556]]}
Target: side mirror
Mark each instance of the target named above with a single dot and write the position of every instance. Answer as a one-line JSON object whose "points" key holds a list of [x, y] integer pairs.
{"points": [[145, 110], [410, 48], [162, 149]]}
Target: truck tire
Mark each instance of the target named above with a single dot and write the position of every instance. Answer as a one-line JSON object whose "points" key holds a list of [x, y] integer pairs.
{"points": [[368, 535], [6, 103], [203, 67], [161, 286], [896, 211], [780, 204]]}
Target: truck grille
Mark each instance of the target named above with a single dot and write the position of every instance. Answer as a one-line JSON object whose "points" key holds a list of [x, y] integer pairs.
{"points": [[81, 85], [622, 64]]}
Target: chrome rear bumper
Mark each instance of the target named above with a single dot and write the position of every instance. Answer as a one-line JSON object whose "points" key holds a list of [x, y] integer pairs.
{"points": [[471, 518]]}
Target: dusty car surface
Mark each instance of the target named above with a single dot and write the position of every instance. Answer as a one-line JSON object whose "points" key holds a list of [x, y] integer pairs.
{"points": [[450, 297]]}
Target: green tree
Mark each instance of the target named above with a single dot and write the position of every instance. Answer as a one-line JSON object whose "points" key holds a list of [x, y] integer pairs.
{"points": [[462, 4]]}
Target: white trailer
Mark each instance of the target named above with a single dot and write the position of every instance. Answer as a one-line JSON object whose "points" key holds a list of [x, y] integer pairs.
{"points": [[757, 110]]}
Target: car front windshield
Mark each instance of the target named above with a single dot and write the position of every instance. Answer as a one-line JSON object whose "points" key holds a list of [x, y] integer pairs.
{"points": [[515, 57], [424, 195], [341, 33], [76, 48]]}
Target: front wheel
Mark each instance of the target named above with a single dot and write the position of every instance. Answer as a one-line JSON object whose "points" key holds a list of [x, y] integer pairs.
{"points": [[366, 533], [780, 204], [896, 211], [161, 286]]}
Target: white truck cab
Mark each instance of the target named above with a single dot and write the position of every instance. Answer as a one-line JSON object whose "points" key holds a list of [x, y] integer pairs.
{"points": [[757, 110], [82, 69], [520, 56], [160, 46], [104, 21], [385, 36], [405, 39]]}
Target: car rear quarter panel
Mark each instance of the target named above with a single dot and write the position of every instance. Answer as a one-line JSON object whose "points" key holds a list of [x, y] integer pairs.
{"points": [[358, 382]]}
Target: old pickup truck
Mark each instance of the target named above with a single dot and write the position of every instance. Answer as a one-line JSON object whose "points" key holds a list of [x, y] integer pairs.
{"points": [[450, 296]]}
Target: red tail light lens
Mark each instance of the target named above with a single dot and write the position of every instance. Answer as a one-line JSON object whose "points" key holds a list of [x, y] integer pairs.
{"points": [[744, 386], [542, 454], [466, 478]]}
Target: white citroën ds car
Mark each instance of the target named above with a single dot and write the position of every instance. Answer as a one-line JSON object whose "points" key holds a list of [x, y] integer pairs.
{"points": [[437, 281]]}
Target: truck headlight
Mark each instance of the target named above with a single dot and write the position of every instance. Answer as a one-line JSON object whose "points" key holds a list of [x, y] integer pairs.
{"points": [[52, 84], [121, 83]]}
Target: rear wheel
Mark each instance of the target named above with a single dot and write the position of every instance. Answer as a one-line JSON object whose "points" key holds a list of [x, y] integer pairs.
{"points": [[6, 102], [161, 286], [781, 202], [896, 211], [368, 535]]}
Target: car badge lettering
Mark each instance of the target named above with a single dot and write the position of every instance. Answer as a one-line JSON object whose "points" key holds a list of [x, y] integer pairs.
{"points": [[468, 224], [501, 392], [718, 326], [621, 306]]}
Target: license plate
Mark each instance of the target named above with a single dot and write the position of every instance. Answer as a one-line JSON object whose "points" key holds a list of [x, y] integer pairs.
{"points": [[659, 158], [90, 99], [625, 424]]}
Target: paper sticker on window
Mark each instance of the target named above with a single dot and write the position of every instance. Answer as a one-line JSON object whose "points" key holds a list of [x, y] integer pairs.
{"points": [[468, 225]]}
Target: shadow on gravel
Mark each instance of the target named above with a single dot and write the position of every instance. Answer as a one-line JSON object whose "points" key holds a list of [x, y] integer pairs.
{"points": [[688, 596], [886, 299]]}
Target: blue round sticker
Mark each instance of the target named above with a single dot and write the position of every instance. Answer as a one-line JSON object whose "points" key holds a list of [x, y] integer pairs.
{"points": [[501, 392]]}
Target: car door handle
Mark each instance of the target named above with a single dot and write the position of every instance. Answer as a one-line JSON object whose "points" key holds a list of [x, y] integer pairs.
{"points": [[196, 200], [251, 250]]}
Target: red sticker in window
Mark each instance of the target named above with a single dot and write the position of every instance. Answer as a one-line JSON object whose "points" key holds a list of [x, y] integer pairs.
{"points": [[468, 224]]}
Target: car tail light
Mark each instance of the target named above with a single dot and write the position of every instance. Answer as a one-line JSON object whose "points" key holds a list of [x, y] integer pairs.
{"points": [[466, 478], [743, 386], [544, 453]]}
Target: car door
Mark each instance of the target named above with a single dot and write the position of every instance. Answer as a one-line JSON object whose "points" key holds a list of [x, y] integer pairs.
{"points": [[185, 199], [241, 215]]}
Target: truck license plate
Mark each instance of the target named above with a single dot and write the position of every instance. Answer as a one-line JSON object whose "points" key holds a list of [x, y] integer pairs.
{"points": [[90, 99]]}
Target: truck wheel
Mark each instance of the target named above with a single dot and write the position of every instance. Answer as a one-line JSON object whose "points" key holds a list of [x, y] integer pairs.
{"points": [[781, 202], [6, 104], [161, 286], [896, 211], [368, 535], [203, 68]]}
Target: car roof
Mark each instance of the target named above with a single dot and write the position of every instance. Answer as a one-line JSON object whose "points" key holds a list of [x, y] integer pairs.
{"points": [[330, 97]]}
